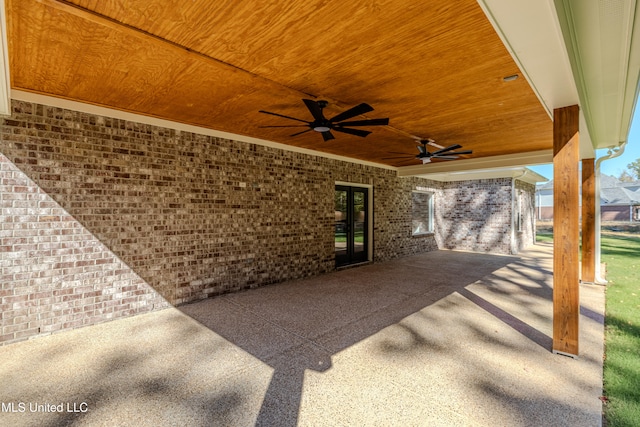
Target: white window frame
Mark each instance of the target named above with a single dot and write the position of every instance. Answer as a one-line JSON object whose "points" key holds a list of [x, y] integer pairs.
{"points": [[419, 231], [519, 212]]}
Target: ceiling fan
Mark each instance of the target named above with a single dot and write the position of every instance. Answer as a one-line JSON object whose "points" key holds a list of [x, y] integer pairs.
{"points": [[444, 153], [324, 126]]}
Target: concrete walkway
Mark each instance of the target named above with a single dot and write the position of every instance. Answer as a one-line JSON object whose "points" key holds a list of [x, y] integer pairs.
{"points": [[439, 339]]}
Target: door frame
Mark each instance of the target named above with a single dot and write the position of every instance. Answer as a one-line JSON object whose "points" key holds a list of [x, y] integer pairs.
{"points": [[370, 218]]}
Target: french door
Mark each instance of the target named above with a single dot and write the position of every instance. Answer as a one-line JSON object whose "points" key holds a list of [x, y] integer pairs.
{"points": [[351, 225]]}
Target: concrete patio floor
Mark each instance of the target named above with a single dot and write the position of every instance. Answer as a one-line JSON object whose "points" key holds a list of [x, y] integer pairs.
{"points": [[438, 339]]}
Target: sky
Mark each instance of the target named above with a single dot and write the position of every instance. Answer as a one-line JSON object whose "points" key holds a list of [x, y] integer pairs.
{"points": [[615, 166]]}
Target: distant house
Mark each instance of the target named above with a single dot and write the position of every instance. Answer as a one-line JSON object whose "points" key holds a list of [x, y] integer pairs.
{"points": [[619, 201], [544, 201]]}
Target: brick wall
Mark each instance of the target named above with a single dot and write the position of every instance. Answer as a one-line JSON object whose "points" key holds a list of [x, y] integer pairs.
{"points": [[544, 213], [54, 273], [393, 221], [607, 213], [475, 215], [103, 218], [615, 213]]}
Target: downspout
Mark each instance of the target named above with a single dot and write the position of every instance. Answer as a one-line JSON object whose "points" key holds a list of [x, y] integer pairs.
{"points": [[612, 153], [514, 248]]}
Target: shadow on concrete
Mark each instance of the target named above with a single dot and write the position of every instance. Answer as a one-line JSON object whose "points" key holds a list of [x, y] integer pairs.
{"points": [[525, 329], [121, 379], [298, 326], [438, 334]]}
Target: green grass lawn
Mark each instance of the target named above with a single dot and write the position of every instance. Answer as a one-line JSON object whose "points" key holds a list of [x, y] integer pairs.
{"points": [[544, 237], [342, 237], [622, 329]]}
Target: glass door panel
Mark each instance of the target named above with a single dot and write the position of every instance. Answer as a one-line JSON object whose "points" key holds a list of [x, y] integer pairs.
{"points": [[351, 225], [340, 245], [359, 225]]}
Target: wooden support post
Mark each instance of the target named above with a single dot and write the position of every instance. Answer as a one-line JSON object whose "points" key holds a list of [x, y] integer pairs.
{"points": [[566, 232], [588, 221]]}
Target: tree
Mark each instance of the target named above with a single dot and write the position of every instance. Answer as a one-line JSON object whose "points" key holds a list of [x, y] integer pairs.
{"points": [[634, 168], [625, 176]]}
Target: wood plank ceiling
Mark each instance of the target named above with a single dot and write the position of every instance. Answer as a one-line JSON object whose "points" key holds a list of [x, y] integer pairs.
{"points": [[435, 68]]}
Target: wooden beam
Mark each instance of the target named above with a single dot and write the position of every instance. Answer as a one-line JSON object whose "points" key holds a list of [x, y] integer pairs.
{"points": [[566, 233], [588, 221]]}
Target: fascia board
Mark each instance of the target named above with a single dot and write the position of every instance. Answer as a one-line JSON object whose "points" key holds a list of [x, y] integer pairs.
{"points": [[520, 173], [602, 46], [494, 162]]}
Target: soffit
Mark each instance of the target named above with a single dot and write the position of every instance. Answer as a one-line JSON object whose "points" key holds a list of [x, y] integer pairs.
{"points": [[520, 173], [603, 46], [434, 68]]}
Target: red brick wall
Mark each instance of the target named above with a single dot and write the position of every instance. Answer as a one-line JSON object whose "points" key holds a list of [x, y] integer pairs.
{"points": [[614, 213], [544, 213], [607, 213]]}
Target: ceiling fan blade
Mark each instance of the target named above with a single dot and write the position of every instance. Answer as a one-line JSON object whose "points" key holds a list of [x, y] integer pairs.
{"points": [[314, 109], [402, 157], [299, 133], [285, 126], [369, 122], [327, 136], [357, 132], [421, 149], [445, 157], [458, 152], [352, 112], [449, 148], [282, 115]]}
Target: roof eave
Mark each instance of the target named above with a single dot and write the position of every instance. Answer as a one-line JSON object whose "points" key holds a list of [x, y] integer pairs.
{"points": [[567, 51], [519, 173], [603, 47]]}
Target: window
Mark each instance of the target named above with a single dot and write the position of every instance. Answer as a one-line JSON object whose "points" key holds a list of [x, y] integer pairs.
{"points": [[421, 213], [519, 211]]}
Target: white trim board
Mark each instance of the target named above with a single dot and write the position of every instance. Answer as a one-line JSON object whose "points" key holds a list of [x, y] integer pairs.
{"points": [[519, 173], [5, 80]]}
